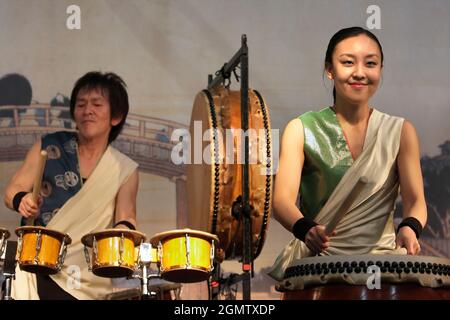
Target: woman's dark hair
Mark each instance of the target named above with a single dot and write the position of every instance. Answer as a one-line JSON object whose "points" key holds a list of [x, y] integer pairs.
{"points": [[342, 35], [109, 84]]}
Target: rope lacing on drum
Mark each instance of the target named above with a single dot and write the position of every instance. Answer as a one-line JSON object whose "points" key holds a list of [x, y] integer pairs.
{"points": [[216, 173], [268, 173]]}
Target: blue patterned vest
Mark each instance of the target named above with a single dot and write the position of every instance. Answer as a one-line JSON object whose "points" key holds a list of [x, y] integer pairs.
{"points": [[61, 178]]}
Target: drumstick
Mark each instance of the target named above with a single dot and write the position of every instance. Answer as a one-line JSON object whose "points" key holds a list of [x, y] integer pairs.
{"points": [[346, 205], [38, 181]]}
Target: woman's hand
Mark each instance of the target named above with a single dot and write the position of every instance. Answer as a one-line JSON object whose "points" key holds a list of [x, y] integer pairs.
{"points": [[317, 240], [407, 238]]}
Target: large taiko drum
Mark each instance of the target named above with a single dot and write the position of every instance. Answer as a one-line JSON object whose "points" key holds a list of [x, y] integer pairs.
{"points": [[41, 250], [4, 235], [367, 277], [114, 253], [215, 185], [185, 255]]}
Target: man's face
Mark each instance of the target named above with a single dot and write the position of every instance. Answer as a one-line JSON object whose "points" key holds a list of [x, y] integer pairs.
{"points": [[92, 114]]}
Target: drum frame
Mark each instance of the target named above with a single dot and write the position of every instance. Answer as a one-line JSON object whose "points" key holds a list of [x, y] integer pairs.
{"points": [[222, 221], [170, 273], [345, 277], [137, 239], [188, 265], [63, 239], [4, 236]]}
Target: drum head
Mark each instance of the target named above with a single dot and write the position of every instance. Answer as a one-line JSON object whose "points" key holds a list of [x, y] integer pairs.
{"points": [[185, 275], [214, 177], [134, 235], [112, 271], [4, 233], [181, 233], [62, 237], [38, 268]]}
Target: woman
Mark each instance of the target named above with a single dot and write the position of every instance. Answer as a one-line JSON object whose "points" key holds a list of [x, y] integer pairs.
{"points": [[324, 154]]}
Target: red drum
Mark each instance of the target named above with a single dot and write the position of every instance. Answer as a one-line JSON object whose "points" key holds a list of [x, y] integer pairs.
{"points": [[215, 185], [367, 277]]}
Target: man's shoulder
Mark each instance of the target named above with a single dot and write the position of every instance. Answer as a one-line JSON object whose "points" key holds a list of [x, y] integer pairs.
{"points": [[121, 157]]}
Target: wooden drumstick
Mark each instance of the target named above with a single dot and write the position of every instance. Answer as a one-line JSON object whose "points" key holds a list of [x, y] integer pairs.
{"points": [[38, 181], [346, 205]]}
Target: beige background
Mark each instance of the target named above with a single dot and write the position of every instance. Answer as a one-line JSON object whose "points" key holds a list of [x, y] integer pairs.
{"points": [[164, 50]]}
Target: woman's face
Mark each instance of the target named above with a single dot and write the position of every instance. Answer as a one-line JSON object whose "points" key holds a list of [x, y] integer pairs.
{"points": [[355, 69]]}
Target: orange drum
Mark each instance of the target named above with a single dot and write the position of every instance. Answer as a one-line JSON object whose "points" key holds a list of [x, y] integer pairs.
{"points": [[367, 277], [41, 250], [215, 186], [113, 252], [185, 255], [4, 234]]}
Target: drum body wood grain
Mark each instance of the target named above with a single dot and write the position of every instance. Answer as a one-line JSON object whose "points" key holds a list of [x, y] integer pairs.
{"points": [[214, 176]]}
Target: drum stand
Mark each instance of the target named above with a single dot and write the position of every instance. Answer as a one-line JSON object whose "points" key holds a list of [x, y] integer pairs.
{"points": [[244, 210], [9, 269], [145, 261]]}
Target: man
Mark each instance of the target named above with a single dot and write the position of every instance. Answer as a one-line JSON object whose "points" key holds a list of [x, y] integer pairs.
{"points": [[87, 185]]}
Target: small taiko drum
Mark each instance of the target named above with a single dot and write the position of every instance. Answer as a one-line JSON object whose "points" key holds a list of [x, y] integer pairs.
{"points": [[185, 255], [4, 235], [367, 277], [41, 250], [113, 252]]}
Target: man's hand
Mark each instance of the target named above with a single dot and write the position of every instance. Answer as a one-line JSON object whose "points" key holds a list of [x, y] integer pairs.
{"points": [[28, 208]]}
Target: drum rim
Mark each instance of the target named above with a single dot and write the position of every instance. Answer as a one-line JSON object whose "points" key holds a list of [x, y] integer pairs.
{"points": [[5, 232], [113, 265], [184, 267], [62, 237], [137, 236], [42, 264], [374, 257], [159, 237]]}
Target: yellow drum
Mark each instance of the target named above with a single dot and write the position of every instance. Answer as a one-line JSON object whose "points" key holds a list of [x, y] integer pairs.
{"points": [[4, 234], [185, 255], [41, 250], [113, 252]]}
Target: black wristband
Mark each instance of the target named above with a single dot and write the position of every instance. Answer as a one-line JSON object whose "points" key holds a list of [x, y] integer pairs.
{"points": [[301, 227], [413, 223], [17, 199], [125, 223]]}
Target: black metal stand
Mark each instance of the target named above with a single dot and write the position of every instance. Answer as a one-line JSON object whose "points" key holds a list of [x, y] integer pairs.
{"points": [[241, 58], [9, 268]]}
